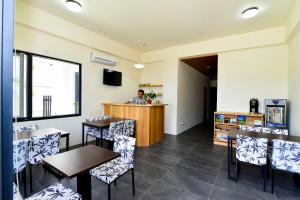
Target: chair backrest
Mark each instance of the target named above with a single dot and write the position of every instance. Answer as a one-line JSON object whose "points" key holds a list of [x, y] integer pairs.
{"points": [[276, 131], [125, 146], [16, 193], [256, 129], [19, 155], [128, 129], [251, 150], [19, 129], [43, 146], [286, 156], [116, 128]]}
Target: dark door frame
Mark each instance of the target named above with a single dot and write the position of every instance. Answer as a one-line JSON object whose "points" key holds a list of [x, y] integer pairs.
{"points": [[6, 83]]}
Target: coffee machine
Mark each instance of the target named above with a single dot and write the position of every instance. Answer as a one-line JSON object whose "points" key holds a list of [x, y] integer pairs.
{"points": [[254, 105]]}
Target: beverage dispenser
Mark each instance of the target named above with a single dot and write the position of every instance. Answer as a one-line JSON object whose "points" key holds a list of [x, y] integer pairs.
{"points": [[276, 113]]}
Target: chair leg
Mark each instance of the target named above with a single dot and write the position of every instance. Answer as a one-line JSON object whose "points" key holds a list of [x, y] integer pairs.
{"points": [[30, 177], [86, 139], [108, 191], [268, 166], [236, 170], [272, 179], [133, 188], [265, 176], [24, 182]]}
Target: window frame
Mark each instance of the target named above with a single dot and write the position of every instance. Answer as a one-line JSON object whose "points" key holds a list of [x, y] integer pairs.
{"points": [[29, 88]]}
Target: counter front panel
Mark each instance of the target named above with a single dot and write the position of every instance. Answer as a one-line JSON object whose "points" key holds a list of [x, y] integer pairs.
{"points": [[149, 120]]}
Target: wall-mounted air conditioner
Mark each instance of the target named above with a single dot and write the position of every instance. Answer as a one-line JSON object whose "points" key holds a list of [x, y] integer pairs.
{"points": [[103, 58]]}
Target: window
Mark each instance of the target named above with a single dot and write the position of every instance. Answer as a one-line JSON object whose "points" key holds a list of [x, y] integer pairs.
{"points": [[20, 85], [45, 87]]}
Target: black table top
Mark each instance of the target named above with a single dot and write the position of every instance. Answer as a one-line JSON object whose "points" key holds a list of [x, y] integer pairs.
{"points": [[26, 135], [81, 160], [102, 123], [233, 133]]}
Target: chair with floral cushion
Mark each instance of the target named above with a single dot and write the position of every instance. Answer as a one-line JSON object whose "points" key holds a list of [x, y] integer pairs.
{"points": [[20, 160], [285, 157], [276, 131], [96, 132], [41, 147], [256, 129], [93, 132], [252, 151], [112, 170], [128, 128], [19, 129], [115, 128], [54, 192]]}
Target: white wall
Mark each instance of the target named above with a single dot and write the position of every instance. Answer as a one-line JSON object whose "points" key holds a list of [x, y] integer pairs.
{"points": [[293, 37], [294, 84], [152, 73], [165, 73], [190, 100], [235, 44], [253, 73], [41, 20], [93, 91]]}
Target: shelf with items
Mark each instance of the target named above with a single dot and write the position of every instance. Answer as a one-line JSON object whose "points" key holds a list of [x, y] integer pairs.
{"points": [[148, 85], [153, 88], [226, 121]]}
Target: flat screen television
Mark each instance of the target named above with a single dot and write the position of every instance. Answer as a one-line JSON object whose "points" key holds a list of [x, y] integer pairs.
{"points": [[111, 77]]}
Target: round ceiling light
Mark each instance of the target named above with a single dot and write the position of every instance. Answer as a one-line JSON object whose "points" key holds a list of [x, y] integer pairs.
{"points": [[139, 66], [73, 6], [250, 12]]}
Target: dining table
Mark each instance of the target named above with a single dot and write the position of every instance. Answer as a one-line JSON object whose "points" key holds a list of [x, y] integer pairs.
{"points": [[232, 135], [78, 162], [26, 135], [99, 124]]}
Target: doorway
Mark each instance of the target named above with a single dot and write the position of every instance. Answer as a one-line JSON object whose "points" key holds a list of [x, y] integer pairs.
{"points": [[208, 66]]}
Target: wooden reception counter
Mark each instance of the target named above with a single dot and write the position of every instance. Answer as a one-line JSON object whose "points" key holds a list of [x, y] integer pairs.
{"points": [[149, 120]]}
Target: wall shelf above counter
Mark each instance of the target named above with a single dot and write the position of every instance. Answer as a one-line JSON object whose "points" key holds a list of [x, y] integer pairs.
{"points": [[150, 85]]}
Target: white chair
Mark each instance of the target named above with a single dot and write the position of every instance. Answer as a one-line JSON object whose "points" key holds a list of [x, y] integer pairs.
{"points": [[128, 128], [285, 157], [256, 129], [252, 151], [41, 147], [54, 192], [115, 128], [95, 132], [276, 131], [20, 160], [19, 129], [112, 170]]}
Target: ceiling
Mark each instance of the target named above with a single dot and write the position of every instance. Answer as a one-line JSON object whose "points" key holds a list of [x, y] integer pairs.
{"points": [[166, 23], [207, 65]]}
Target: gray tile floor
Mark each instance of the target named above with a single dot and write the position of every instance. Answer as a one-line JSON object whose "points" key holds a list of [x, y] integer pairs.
{"points": [[186, 167]]}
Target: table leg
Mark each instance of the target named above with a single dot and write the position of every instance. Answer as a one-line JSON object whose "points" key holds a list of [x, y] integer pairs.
{"points": [[84, 186], [82, 135], [101, 142], [67, 142], [297, 179], [231, 152], [228, 155]]}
